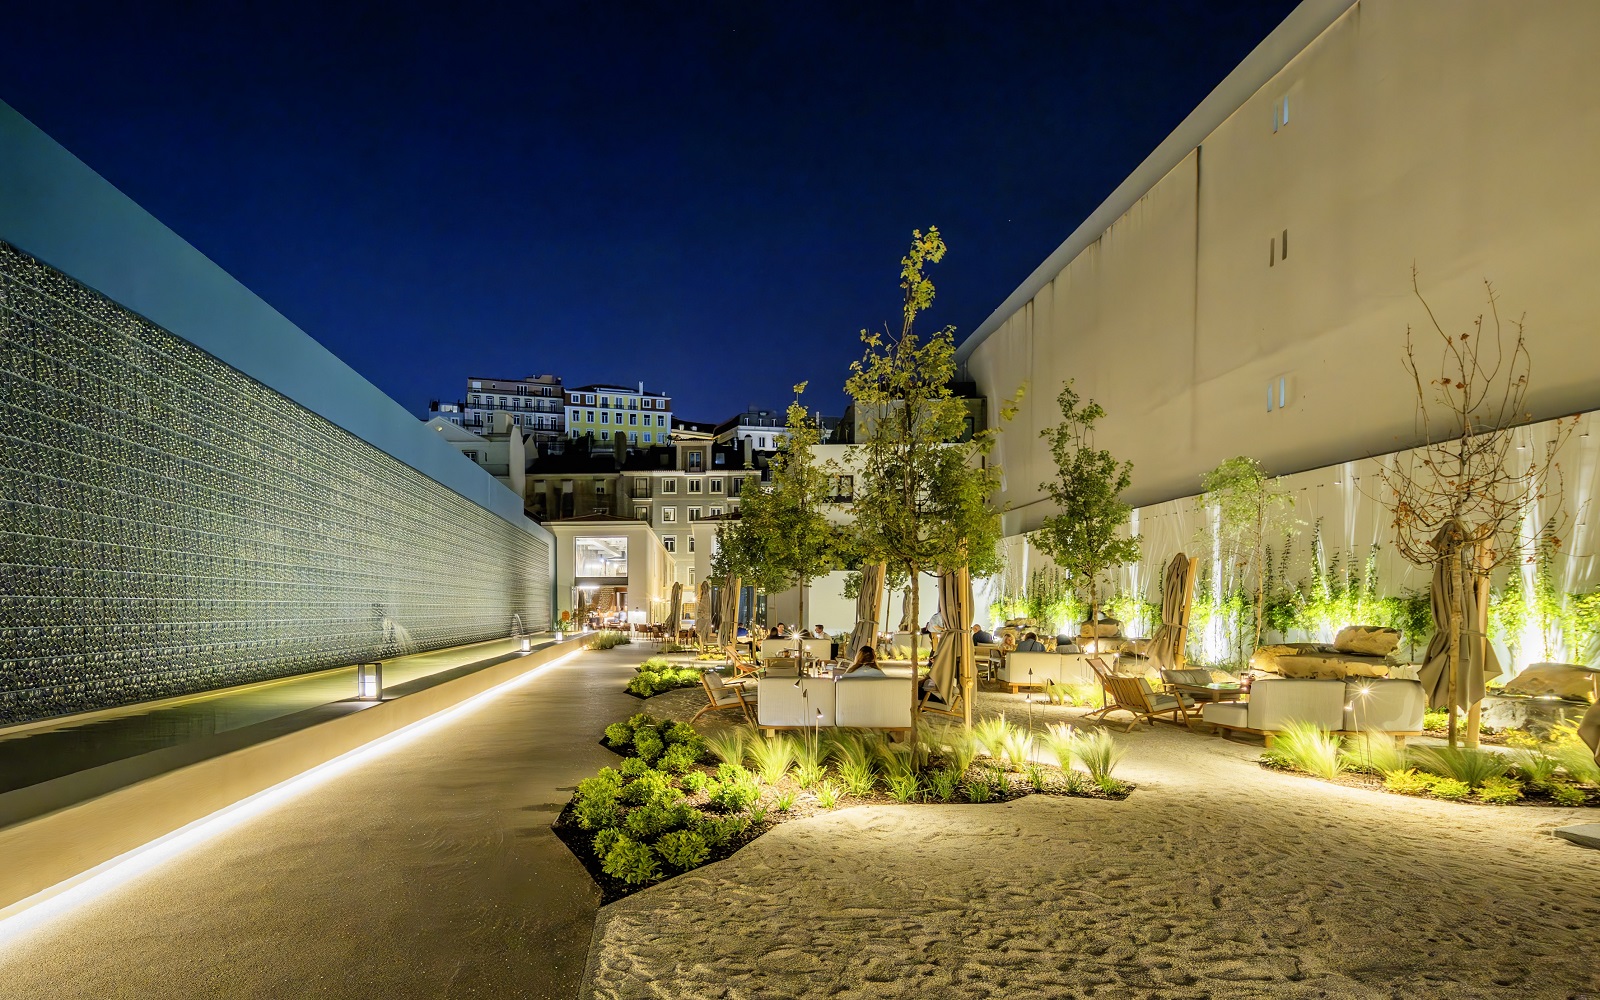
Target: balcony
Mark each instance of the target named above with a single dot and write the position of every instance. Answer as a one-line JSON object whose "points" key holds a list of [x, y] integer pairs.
{"points": [[641, 492]]}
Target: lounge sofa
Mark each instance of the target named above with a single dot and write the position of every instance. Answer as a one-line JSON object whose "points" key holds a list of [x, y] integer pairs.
{"points": [[1022, 670], [1347, 706], [858, 701]]}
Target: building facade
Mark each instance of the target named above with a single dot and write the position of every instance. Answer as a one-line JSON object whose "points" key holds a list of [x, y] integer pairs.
{"points": [[534, 404], [602, 411]]}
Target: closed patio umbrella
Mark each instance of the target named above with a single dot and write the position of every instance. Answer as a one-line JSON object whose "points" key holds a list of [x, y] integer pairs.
{"points": [[702, 613], [1167, 645], [905, 610], [950, 670], [1477, 661], [868, 603], [581, 615], [675, 615], [728, 611]]}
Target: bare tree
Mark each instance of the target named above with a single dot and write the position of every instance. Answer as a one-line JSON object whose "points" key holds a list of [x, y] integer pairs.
{"points": [[1461, 503]]}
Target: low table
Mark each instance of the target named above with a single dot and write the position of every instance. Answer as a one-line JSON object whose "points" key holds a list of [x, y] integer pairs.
{"points": [[1212, 692]]}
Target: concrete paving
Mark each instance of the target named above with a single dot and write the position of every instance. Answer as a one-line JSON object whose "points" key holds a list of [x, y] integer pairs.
{"points": [[428, 870]]}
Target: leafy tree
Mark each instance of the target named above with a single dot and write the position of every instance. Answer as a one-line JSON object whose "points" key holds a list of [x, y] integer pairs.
{"points": [[785, 532], [1250, 504], [1087, 491], [922, 498]]}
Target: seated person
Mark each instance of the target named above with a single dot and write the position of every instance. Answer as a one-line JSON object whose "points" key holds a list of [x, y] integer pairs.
{"points": [[1030, 644], [741, 632], [776, 632], [866, 662], [982, 637], [1067, 644]]}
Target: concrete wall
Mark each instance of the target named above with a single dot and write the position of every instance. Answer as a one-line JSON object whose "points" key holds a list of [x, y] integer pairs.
{"points": [[194, 493], [1458, 135]]}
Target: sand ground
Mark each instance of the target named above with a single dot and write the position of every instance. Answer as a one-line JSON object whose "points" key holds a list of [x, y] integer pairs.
{"points": [[1215, 879]]}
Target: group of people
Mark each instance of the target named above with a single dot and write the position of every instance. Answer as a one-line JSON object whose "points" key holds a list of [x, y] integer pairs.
{"points": [[782, 631]]}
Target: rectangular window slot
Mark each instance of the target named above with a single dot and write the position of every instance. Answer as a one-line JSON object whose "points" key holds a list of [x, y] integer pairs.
{"points": [[1286, 244], [1272, 252]]}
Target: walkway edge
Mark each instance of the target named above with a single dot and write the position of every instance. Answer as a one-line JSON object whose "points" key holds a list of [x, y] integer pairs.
{"points": [[47, 854]]}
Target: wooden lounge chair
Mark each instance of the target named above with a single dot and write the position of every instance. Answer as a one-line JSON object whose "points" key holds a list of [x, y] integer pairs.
{"points": [[723, 696], [1135, 696]]}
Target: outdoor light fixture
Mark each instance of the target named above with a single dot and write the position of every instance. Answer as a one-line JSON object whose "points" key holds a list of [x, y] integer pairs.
{"points": [[527, 645], [369, 681]]}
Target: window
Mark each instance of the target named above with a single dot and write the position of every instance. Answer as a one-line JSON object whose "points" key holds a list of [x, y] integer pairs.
{"points": [[670, 542], [633, 437], [761, 442], [696, 461], [588, 398], [633, 420], [661, 421], [619, 416], [599, 488], [476, 399], [471, 455], [573, 433], [605, 400], [716, 484], [538, 486], [503, 401], [605, 417], [590, 418], [669, 515], [694, 486], [694, 513], [605, 435], [1280, 113], [646, 437], [648, 403], [844, 487], [716, 512], [600, 557], [669, 486], [691, 543], [691, 576]]}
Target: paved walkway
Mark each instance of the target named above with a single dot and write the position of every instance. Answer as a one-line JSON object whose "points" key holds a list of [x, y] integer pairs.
{"points": [[429, 870]]}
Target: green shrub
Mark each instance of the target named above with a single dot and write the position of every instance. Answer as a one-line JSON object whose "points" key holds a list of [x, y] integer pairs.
{"points": [[784, 800], [1037, 779], [655, 677], [1307, 747], [1566, 795], [1521, 739], [1111, 786], [905, 786], [943, 783], [1451, 789], [1409, 782], [1374, 752], [1534, 766], [727, 773], [1061, 740], [683, 849], [1577, 760], [720, 832], [991, 734], [1500, 791], [619, 734], [645, 788], [771, 757], [728, 745], [1016, 747], [633, 767], [605, 840], [649, 821], [736, 795], [694, 782], [828, 794], [631, 861], [609, 640], [679, 759], [808, 766], [1471, 767], [1099, 754], [682, 734], [1435, 719], [1076, 781], [956, 743], [855, 760], [1086, 694], [647, 744], [978, 790], [596, 812], [609, 779]]}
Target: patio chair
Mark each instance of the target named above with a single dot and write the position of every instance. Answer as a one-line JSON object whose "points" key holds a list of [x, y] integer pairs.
{"points": [[1135, 696], [723, 696]]}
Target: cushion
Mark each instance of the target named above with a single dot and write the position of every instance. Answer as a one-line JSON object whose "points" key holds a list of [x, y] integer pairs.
{"points": [[1563, 680], [1331, 666], [1366, 640], [1265, 658], [1226, 713], [1105, 630]]}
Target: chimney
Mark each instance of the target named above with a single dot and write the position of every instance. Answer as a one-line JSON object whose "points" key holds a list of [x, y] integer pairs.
{"points": [[749, 452], [641, 388]]}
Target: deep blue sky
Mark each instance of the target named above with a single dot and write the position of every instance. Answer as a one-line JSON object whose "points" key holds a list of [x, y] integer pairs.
{"points": [[712, 198]]}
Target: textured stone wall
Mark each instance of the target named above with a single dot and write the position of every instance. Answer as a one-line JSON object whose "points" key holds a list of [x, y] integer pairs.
{"points": [[169, 525]]}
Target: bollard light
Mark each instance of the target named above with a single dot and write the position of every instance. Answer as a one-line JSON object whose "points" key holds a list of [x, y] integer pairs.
{"points": [[369, 681], [527, 645]]}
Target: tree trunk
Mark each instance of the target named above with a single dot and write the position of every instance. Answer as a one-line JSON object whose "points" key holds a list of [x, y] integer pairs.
{"points": [[916, 633], [1454, 659], [800, 626], [1481, 591]]}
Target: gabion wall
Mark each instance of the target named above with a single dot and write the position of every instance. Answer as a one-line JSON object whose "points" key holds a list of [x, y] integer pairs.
{"points": [[169, 525]]}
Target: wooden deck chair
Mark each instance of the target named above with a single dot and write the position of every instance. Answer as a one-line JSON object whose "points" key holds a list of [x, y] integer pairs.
{"points": [[1102, 673], [723, 696], [1135, 696], [743, 664]]}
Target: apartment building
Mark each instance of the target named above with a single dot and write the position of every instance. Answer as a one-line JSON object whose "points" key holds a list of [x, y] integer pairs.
{"points": [[602, 411]]}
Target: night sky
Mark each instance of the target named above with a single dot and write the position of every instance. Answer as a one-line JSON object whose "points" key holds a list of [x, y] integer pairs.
{"points": [[711, 198]]}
